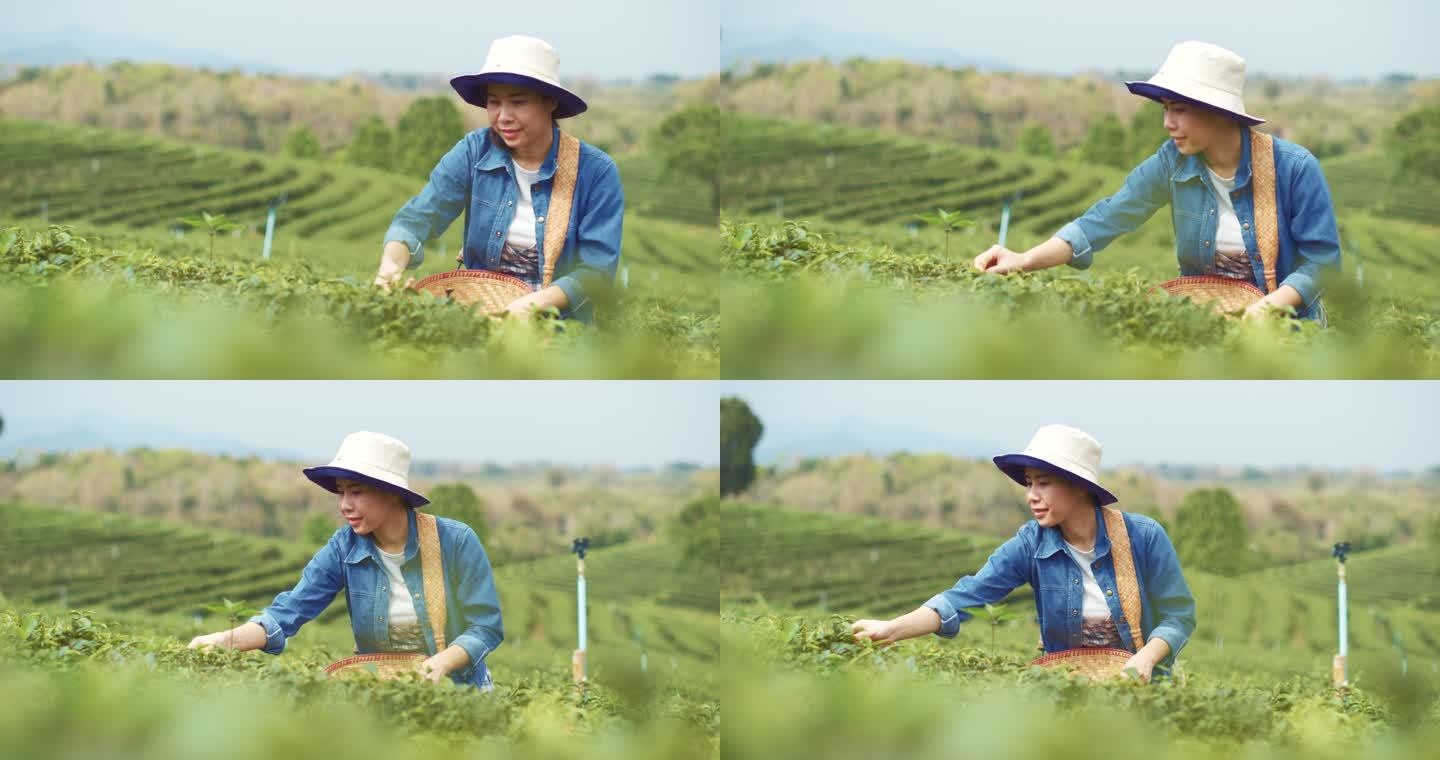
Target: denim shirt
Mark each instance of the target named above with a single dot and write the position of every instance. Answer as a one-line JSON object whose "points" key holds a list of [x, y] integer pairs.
{"points": [[1036, 556], [486, 171], [1309, 238], [352, 562]]}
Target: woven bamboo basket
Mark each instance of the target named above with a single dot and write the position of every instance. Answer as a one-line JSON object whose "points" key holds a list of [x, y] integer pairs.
{"points": [[489, 292], [1095, 663], [1222, 293], [385, 665]]}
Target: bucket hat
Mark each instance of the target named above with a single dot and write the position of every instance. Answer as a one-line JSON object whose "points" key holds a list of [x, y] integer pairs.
{"points": [[1063, 450], [1204, 74], [524, 62], [373, 458]]}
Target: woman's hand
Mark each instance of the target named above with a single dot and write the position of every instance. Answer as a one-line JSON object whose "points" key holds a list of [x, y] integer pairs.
{"points": [[393, 263], [217, 639], [1000, 260], [1143, 665], [434, 669], [524, 305], [881, 632]]}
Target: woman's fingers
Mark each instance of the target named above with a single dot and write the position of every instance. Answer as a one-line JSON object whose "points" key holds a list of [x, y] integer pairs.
{"points": [[987, 259]]}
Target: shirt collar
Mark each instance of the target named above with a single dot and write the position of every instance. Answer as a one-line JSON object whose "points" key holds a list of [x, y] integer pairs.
{"points": [[496, 157], [364, 546], [1190, 167], [1052, 540]]}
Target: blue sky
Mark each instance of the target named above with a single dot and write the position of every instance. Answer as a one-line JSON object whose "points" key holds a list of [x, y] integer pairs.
{"points": [[1291, 37], [1385, 425], [598, 422], [618, 39]]}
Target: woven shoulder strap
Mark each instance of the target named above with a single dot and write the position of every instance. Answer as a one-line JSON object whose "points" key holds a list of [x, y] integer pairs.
{"points": [[1125, 578], [562, 192], [432, 576], [1262, 178]]}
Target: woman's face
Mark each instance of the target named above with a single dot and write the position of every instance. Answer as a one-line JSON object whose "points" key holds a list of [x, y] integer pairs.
{"points": [[366, 507], [522, 118], [1194, 129], [1053, 499]]}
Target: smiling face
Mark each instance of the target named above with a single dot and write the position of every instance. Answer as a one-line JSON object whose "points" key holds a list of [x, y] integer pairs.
{"points": [[1052, 498], [1195, 129], [366, 507], [522, 118]]}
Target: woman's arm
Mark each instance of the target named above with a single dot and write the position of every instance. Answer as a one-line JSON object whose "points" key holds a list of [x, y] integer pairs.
{"points": [[474, 585], [1169, 595], [1001, 260], [1316, 236], [244, 638], [427, 215], [1146, 189], [1007, 569], [322, 578], [597, 238]]}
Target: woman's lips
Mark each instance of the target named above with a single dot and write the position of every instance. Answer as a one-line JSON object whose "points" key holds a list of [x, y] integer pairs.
{"points": [[509, 134], [1039, 513]]}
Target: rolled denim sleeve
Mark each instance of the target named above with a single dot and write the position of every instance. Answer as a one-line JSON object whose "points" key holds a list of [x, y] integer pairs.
{"points": [[1007, 569], [479, 602], [1313, 228], [1169, 595], [597, 237], [1146, 189], [429, 214], [320, 581]]}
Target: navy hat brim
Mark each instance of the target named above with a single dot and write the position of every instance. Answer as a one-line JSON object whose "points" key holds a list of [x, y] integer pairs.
{"points": [[1014, 465], [326, 476], [1156, 92], [472, 89]]}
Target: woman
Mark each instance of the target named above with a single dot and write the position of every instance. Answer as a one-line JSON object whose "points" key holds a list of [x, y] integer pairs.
{"points": [[501, 177], [1065, 556], [376, 561], [1204, 173]]}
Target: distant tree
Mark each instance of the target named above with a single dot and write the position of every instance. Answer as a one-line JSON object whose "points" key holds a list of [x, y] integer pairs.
{"points": [[689, 142], [1414, 142], [1105, 144], [1210, 532], [372, 146], [318, 529], [427, 130], [302, 143], [459, 501], [740, 430], [1147, 131], [1036, 140]]}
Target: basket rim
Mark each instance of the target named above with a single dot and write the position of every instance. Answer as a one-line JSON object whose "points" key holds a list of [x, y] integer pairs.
{"points": [[1083, 652], [1210, 279], [361, 659], [484, 274]]}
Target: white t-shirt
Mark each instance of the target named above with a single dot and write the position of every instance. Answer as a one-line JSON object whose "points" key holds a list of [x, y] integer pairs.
{"points": [[1094, 606], [1228, 239], [405, 633], [522, 228]]}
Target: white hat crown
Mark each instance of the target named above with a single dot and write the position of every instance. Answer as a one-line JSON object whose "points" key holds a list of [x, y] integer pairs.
{"points": [[1068, 448], [377, 455], [1201, 72], [529, 56]]}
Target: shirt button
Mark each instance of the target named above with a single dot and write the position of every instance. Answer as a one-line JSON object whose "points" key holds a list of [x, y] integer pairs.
{"points": [[1077, 581], [1108, 592], [1247, 225], [1074, 613], [509, 203], [497, 233], [540, 218], [1207, 243]]}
